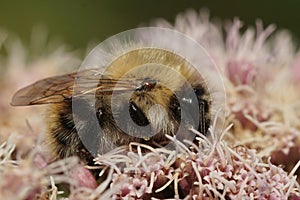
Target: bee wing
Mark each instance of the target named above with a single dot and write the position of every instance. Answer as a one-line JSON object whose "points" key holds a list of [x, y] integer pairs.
{"points": [[60, 88]]}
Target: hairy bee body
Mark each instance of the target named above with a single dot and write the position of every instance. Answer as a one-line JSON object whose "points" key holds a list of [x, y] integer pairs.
{"points": [[140, 97]]}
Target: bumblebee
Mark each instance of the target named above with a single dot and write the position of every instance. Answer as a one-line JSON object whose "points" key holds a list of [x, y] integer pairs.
{"points": [[141, 96]]}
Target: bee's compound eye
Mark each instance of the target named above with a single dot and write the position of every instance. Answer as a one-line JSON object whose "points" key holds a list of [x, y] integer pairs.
{"points": [[137, 115]]}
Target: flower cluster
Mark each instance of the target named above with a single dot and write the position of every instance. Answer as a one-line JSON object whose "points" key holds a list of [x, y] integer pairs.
{"points": [[214, 171]]}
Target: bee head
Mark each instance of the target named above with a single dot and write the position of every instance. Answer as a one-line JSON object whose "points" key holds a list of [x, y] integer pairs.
{"points": [[163, 110]]}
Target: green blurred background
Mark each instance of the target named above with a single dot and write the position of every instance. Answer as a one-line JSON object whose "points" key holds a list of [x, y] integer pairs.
{"points": [[77, 22]]}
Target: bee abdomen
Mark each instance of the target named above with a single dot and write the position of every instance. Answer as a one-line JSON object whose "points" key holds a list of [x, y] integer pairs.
{"points": [[62, 134]]}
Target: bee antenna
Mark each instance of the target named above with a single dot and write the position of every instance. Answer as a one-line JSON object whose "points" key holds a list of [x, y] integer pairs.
{"points": [[147, 85]]}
